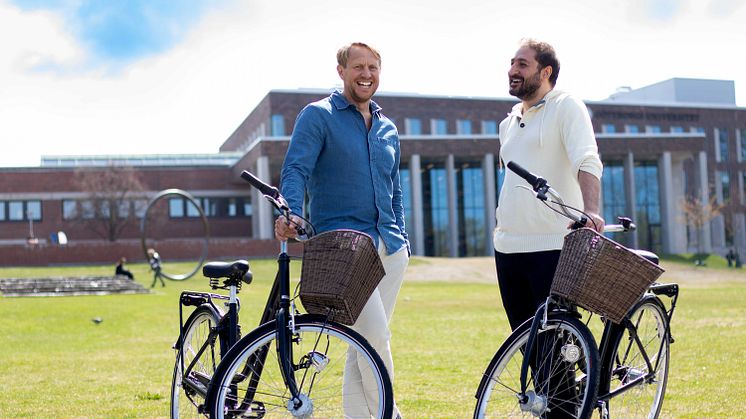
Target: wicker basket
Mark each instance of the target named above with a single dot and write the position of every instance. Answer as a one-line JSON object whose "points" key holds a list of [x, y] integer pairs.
{"points": [[341, 268], [601, 275]]}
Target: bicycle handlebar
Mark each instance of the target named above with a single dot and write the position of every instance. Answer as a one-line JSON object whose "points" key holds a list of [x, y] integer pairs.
{"points": [[274, 196], [542, 189], [535, 181]]}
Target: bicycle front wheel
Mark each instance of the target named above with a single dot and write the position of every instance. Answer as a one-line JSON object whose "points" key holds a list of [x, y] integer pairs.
{"points": [[337, 372], [188, 393], [645, 399], [563, 377]]}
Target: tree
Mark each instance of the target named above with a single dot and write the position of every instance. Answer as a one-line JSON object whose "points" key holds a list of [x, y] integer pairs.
{"points": [[110, 204], [697, 214]]}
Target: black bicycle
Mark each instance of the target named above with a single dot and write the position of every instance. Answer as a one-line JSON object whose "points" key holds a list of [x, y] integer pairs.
{"points": [[292, 365], [551, 366]]}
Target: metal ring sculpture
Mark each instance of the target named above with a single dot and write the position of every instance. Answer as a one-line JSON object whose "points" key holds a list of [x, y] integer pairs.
{"points": [[143, 223]]}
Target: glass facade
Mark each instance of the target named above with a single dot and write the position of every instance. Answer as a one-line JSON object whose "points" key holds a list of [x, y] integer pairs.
{"points": [[435, 209], [648, 208], [614, 198], [471, 224]]}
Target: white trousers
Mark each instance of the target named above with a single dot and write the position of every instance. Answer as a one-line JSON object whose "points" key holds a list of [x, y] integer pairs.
{"points": [[373, 323]]}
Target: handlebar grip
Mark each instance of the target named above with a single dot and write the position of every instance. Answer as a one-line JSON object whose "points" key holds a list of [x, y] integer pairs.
{"points": [[263, 187], [532, 179]]}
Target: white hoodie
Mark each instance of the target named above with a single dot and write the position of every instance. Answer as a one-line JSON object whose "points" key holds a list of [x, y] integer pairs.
{"points": [[553, 139]]}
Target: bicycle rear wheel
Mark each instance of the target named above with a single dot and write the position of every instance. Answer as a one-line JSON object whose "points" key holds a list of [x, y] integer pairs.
{"points": [[320, 352], [628, 363], [564, 377], [198, 329]]}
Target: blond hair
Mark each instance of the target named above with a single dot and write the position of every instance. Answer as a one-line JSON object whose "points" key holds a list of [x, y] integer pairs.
{"points": [[344, 53]]}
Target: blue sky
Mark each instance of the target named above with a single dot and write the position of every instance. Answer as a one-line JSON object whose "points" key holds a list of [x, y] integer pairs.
{"points": [[138, 76], [118, 32]]}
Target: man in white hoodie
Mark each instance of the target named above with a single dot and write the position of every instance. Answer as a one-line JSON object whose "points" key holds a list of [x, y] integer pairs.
{"points": [[549, 133]]}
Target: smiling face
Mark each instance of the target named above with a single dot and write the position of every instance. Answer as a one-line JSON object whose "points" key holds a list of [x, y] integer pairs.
{"points": [[360, 75], [525, 78]]}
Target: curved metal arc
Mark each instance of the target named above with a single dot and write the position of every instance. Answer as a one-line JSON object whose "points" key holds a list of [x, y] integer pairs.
{"points": [[143, 224]]}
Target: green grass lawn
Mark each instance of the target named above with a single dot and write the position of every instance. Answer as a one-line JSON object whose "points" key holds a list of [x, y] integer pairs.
{"points": [[56, 362]]}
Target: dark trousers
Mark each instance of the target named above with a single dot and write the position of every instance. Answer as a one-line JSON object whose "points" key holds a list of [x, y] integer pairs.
{"points": [[525, 280]]}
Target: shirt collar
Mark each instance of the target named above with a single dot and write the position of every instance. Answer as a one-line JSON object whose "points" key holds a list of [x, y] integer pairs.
{"points": [[340, 101]]}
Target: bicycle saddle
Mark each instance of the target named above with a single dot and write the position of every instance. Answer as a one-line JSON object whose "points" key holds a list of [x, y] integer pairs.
{"points": [[235, 269]]}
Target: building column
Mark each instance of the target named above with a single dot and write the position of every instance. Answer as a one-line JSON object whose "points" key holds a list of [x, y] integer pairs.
{"points": [[667, 202], [418, 216], [678, 194], [705, 235], [629, 195], [490, 202], [262, 214], [452, 206]]}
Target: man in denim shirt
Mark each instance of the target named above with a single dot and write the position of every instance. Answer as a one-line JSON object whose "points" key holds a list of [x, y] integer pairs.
{"points": [[345, 153]]}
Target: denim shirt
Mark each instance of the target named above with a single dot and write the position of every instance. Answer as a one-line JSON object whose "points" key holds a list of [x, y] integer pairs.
{"points": [[351, 174]]}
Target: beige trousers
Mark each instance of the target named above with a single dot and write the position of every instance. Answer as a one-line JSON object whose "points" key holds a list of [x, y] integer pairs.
{"points": [[373, 323]]}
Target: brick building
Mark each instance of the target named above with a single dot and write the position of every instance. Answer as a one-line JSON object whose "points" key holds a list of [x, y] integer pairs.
{"points": [[659, 144]]}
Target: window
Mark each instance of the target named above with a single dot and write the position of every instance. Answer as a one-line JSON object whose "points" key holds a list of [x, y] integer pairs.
{"points": [[722, 145], [608, 128], [743, 187], [20, 210], [489, 127], [742, 143], [413, 126], [653, 129], [278, 125], [69, 209], [677, 130], [175, 207], [438, 127], [725, 186], [697, 130], [15, 210], [631, 129], [463, 127]]}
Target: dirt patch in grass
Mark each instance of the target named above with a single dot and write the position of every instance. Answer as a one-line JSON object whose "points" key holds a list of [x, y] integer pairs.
{"points": [[482, 270]]}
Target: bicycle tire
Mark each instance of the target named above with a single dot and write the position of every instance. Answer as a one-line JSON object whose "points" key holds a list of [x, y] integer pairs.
{"points": [[185, 402], [498, 392], [327, 344], [644, 400]]}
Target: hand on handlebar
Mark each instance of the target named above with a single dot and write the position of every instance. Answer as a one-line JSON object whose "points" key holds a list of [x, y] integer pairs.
{"points": [[595, 222], [284, 229]]}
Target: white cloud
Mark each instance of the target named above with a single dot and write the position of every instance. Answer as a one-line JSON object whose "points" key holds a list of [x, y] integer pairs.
{"points": [[192, 97]]}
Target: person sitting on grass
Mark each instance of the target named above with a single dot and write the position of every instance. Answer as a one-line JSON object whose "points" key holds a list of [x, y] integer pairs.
{"points": [[121, 269]]}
